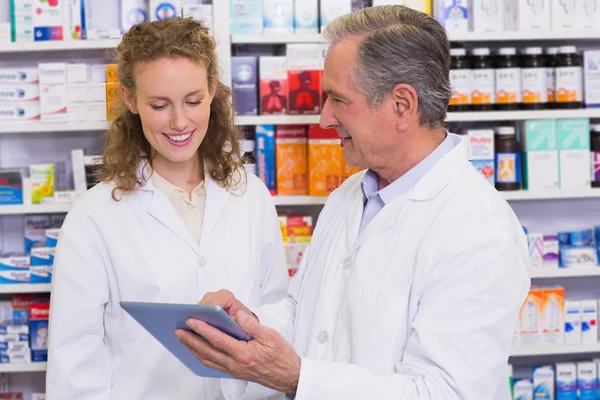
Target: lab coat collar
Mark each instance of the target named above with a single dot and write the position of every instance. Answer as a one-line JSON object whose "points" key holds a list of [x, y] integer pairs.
{"points": [[442, 173], [161, 208]]}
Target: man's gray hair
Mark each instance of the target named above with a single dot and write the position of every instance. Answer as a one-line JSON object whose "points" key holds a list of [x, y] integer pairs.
{"points": [[400, 45]]}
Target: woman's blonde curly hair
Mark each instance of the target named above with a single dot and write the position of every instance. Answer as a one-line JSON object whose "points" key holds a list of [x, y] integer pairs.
{"points": [[126, 145]]}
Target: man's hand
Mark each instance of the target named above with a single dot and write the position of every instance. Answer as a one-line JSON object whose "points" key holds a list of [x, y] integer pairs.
{"points": [[226, 300], [268, 360]]}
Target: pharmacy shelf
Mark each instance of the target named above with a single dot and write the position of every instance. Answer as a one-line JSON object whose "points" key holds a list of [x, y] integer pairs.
{"points": [[31, 127], [34, 209], [549, 273], [277, 39], [299, 200], [524, 36], [472, 116], [31, 367], [525, 195], [278, 120], [553, 350], [58, 45], [522, 115], [454, 37], [25, 288]]}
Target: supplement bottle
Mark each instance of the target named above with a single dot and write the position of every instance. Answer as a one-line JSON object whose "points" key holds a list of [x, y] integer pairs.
{"points": [[508, 159], [550, 57], [569, 90], [460, 81], [248, 156], [508, 80], [483, 81], [535, 86], [595, 154]]}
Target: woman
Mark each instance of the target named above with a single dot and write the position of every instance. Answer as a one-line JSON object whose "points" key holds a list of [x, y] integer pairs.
{"points": [[174, 217]]}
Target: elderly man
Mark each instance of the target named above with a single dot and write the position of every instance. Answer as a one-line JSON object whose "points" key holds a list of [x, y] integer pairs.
{"points": [[417, 270]]}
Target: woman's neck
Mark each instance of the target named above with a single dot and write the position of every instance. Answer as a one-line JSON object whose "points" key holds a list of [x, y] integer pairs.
{"points": [[185, 175]]}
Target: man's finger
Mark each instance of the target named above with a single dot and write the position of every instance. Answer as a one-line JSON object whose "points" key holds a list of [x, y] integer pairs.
{"points": [[215, 337], [250, 325]]}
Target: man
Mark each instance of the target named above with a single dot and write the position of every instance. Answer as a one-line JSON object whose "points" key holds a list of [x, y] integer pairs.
{"points": [[417, 270]]}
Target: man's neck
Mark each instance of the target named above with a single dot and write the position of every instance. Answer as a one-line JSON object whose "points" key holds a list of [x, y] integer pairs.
{"points": [[184, 175], [423, 143]]}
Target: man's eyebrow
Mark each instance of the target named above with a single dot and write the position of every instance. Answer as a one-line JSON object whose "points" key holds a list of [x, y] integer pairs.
{"points": [[336, 94]]}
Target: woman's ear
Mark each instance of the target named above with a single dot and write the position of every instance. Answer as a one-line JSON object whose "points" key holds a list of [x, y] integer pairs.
{"points": [[128, 100]]}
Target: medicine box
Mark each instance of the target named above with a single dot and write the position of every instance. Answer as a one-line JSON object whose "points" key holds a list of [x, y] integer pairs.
{"points": [[306, 16], [304, 76], [541, 166], [453, 15], [19, 75], [162, 9], [133, 12], [48, 20], [572, 322], [543, 382], [53, 92], [553, 315], [566, 381], [486, 16], [591, 75], [245, 85], [14, 268], [588, 13], [11, 187], [589, 321], [587, 380], [531, 318], [39, 313], [265, 155], [331, 9], [19, 92], [324, 160], [565, 15], [42, 182], [480, 148], [527, 15], [574, 153], [273, 85], [291, 143], [278, 16], [102, 20], [246, 17]]}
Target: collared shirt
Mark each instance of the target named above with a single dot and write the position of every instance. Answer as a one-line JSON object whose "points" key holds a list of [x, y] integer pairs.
{"points": [[375, 199], [189, 208]]}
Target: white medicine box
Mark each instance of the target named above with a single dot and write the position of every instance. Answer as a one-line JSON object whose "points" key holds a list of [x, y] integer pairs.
{"points": [[565, 15], [522, 15], [487, 16]]}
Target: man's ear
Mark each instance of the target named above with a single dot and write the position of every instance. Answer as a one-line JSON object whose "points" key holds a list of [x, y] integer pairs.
{"points": [[407, 105], [128, 99]]}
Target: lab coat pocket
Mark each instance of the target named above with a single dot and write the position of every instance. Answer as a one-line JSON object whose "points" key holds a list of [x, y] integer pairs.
{"points": [[379, 326]]}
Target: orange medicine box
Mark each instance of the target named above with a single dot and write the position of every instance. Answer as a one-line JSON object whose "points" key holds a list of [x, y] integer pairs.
{"points": [[111, 73], [291, 159], [324, 160]]}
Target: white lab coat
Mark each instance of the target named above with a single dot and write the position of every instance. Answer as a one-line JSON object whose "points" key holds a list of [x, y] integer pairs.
{"points": [[138, 249], [421, 304]]}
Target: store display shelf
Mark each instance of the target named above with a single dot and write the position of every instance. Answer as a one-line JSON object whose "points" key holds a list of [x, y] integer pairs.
{"points": [[31, 127], [524, 36], [30, 367], [34, 209], [524, 195], [299, 200], [472, 116], [277, 39], [553, 350], [58, 45], [549, 273], [454, 37], [25, 288], [522, 115]]}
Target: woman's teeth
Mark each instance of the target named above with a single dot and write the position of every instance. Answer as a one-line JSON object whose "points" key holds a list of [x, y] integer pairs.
{"points": [[180, 138]]}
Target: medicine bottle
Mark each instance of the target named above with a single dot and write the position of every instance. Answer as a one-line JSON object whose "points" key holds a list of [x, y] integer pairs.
{"points": [[483, 81], [535, 86], [508, 80], [595, 155], [460, 81], [569, 91], [508, 159], [248, 156], [551, 53]]}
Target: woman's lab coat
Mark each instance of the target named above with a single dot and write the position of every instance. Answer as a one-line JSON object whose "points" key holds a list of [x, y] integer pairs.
{"points": [[420, 305], [138, 249]]}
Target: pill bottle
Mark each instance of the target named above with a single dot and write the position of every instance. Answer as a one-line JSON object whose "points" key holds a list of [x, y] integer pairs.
{"points": [[551, 53], [569, 91], [535, 86], [248, 156], [508, 159], [508, 80], [460, 81], [483, 80], [595, 154]]}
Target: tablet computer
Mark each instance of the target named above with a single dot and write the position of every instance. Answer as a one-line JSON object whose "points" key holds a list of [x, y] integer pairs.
{"points": [[161, 320]]}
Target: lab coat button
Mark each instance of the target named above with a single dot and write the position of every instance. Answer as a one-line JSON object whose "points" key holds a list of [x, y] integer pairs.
{"points": [[347, 264], [202, 262], [322, 337]]}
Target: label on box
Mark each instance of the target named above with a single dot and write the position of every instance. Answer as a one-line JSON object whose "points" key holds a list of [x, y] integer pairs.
{"points": [[24, 92], [508, 167]]}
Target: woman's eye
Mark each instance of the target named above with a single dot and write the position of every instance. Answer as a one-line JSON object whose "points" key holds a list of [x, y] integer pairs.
{"points": [[194, 103], [158, 107]]}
